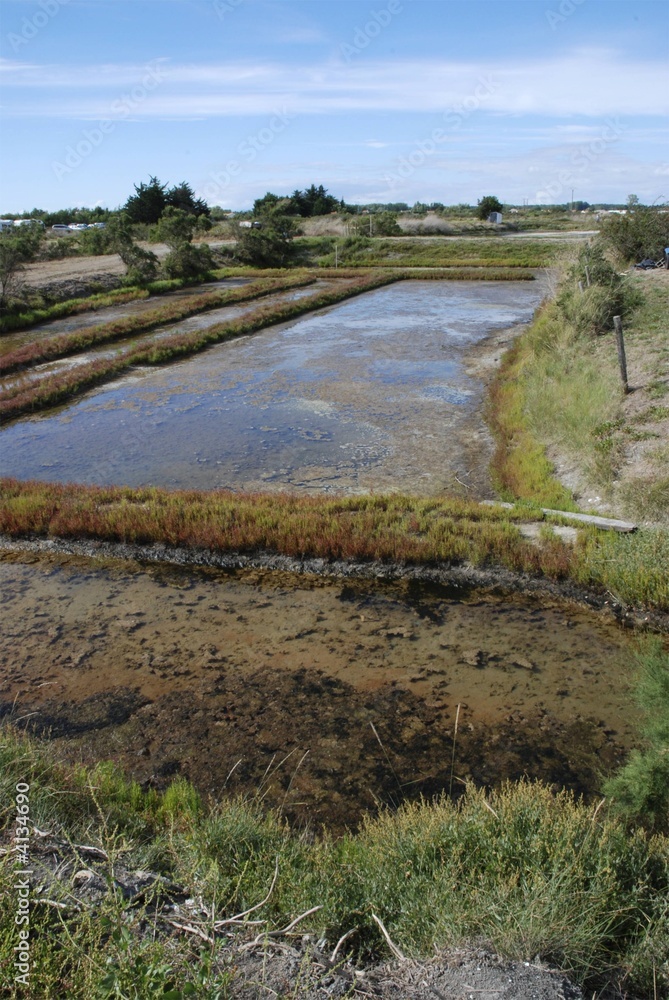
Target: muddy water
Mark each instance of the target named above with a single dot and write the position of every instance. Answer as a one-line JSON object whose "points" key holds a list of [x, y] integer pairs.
{"points": [[171, 671], [379, 393], [68, 324]]}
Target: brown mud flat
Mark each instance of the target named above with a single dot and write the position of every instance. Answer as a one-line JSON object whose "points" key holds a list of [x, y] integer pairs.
{"points": [[327, 698]]}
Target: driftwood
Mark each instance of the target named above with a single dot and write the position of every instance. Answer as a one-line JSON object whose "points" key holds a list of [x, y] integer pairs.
{"points": [[606, 523]]}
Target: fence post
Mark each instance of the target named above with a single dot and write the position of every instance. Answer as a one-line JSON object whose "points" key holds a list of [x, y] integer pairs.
{"points": [[620, 344]]}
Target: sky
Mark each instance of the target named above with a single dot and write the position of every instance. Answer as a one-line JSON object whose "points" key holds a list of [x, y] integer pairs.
{"points": [[534, 101]]}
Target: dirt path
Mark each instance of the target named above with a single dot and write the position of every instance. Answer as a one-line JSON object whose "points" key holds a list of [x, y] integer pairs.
{"points": [[104, 269]]}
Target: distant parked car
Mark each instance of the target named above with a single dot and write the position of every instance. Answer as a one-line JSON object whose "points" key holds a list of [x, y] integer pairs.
{"points": [[28, 222], [98, 225], [6, 225], [58, 228], [78, 225]]}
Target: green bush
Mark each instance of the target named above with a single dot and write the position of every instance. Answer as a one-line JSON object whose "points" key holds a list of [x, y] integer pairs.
{"points": [[641, 789], [17, 248], [95, 242], [188, 261], [594, 293], [642, 233]]}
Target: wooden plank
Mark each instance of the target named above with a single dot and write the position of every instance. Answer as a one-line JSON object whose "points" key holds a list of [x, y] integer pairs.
{"points": [[606, 523]]}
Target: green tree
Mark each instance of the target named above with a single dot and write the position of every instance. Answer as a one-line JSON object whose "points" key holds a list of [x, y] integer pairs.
{"points": [[175, 227], [141, 265], [385, 224], [189, 261], [148, 202], [315, 201], [308, 203], [17, 248], [270, 245], [269, 203], [183, 197], [487, 205]]}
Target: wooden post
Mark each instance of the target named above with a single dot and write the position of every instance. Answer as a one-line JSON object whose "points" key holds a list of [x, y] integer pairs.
{"points": [[620, 343], [587, 276]]}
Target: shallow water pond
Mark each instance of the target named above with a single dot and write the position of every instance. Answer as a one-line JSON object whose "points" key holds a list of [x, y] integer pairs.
{"points": [[207, 674], [376, 393]]}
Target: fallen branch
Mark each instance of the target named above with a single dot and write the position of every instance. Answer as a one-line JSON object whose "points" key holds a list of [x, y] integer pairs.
{"points": [[293, 923], [264, 935], [239, 917], [344, 937], [191, 930], [50, 902], [393, 947]]}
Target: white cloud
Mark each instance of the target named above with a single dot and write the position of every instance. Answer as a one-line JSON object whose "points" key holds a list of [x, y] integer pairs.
{"points": [[593, 83]]}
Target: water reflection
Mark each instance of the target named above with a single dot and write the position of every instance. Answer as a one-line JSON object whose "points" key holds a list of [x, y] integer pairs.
{"points": [[369, 395]]}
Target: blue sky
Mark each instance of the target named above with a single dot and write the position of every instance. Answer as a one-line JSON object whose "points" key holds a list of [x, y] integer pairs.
{"points": [[395, 100]]}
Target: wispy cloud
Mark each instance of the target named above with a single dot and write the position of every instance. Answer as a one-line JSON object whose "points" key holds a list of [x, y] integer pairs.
{"points": [[590, 82]]}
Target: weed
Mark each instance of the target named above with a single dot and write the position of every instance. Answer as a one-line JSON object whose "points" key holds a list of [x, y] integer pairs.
{"points": [[530, 871], [641, 789]]}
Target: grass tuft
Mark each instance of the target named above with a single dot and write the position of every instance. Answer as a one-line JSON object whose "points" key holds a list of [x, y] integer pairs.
{"points": [[532, 872]]}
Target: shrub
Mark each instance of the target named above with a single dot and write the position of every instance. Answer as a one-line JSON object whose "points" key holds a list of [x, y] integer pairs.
{"points": [[594, 293], [487, 205], [643, 232], [640, 790], [17, 249], [188, 261]]}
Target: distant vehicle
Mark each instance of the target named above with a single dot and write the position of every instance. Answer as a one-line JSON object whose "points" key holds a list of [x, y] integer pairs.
{"points": [[28, 222], [6, 224], [60, 228], [98, 225], [78, 225]]}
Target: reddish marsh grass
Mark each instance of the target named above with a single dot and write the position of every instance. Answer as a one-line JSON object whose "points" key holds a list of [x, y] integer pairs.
{"points": [[389, 529], [61, 346], [56, 388]]}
